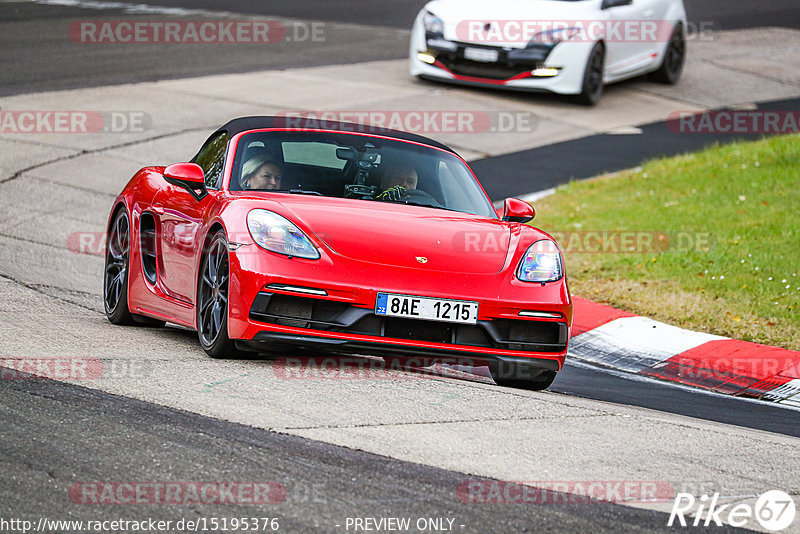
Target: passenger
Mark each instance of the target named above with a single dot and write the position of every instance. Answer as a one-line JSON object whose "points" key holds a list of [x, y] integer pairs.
{"points": [[259, 172]]}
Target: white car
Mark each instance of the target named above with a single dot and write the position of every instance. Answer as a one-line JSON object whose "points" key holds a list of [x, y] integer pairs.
{"points": [[571, 47]]}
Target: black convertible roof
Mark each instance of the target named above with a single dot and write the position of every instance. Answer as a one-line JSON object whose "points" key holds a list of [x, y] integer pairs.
{"points": [[243, 124]]}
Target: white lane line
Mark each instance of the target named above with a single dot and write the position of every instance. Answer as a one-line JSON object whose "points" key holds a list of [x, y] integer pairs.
{"points": [[530, 197], [135, 9], [625, 130], [533, 197]]}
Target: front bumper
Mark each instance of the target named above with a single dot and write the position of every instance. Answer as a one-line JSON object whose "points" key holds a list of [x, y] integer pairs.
{"points": [[417, 356], [262, 311], [522, 69]]}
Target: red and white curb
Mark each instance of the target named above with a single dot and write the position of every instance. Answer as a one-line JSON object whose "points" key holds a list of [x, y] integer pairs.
{"points": [[612, 338]]}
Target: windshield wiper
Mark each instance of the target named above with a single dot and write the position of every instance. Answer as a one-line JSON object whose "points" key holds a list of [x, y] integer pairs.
{"points": [[304, 192], [436, 206]]}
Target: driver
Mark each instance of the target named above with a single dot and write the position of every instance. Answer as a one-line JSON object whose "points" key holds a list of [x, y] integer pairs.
{"points": [[259, 172], [397, 178]]}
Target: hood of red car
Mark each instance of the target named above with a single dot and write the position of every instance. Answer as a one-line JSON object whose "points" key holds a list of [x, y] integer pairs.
{"points": [[403, 236]]}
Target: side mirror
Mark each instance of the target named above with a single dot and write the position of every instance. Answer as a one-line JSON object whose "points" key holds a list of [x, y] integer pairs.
{"points": [[189, 176], [516, 210], [615, 3]]}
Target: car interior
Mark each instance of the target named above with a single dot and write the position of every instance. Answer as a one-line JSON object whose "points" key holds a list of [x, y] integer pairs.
{"points": [[328, 172], [349, 166]]}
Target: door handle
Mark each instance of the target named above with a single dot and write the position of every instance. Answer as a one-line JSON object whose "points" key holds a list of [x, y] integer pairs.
{"points": [[648, 13]]}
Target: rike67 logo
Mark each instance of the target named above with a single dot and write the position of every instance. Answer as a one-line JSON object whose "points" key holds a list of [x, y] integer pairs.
{"points": [[774, 510]]}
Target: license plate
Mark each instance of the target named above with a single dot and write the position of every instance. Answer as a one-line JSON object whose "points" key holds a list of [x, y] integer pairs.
{"points": [[484, 55], [412, 307]]}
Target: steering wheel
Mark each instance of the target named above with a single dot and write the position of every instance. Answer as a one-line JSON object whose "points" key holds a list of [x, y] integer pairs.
{"points": [[420, 196]]}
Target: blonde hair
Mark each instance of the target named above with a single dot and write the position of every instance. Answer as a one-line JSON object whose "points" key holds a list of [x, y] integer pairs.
{"points": [[251, 167]]}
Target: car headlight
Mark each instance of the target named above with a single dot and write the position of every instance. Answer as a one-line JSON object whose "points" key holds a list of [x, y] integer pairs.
{"points": [[272, 232], [556, 36], [541, 263], [433, 24]]}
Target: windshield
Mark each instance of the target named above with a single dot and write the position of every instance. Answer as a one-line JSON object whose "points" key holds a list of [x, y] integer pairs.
{"points": [[360, 167]]}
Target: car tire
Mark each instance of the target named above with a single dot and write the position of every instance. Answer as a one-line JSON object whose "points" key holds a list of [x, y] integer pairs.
{"points": [[592, 87], [674, 58], [520, 377], [115, 276], [212, 300]]}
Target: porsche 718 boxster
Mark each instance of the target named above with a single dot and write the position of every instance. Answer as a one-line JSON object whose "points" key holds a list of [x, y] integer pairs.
{"points": [[342, 238]]}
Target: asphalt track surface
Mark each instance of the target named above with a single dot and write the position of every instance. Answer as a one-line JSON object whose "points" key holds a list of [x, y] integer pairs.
{"points": [[724, 14], [324, 484], [36, 58], [557, 164], [620, 388], [53, 433]]}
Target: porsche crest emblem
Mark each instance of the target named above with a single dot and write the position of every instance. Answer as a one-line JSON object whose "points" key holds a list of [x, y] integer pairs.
{"points": [[422, 259]]}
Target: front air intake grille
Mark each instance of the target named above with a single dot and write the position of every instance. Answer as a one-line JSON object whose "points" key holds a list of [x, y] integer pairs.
{"points": [[322, 314], [527, 331], [294, 307], [475, 69], [419, 330], [510, 62]]}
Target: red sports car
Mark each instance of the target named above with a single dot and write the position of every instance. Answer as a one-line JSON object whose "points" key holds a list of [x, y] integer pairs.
{"points": [[339, 237]]}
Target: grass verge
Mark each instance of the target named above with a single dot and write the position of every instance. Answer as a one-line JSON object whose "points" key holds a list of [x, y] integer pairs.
{"points": [[715, 237]]}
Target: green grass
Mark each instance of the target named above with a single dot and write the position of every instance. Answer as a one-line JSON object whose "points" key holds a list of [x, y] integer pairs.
{"points": [[743, 198]]}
